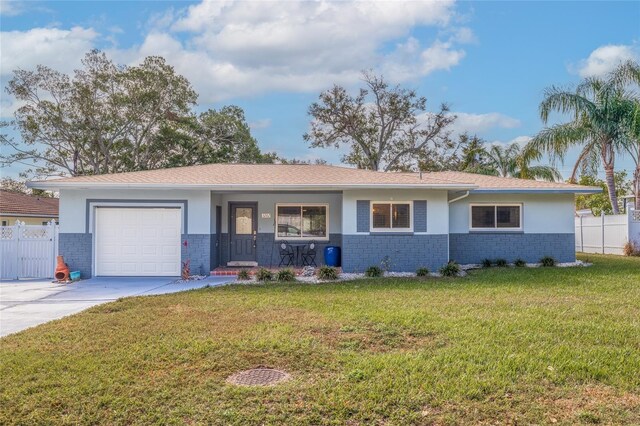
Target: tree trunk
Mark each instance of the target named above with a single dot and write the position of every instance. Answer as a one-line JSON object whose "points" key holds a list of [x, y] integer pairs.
{"points": [[636, 187], [611, 188]]}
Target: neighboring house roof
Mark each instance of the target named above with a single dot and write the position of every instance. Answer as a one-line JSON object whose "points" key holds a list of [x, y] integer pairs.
{"points": [[294, 176], [17, 204]]}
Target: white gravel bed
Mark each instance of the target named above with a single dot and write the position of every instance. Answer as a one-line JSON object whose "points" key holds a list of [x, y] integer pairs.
{"points": [[577, 263], [312, 279], [341, 277]]}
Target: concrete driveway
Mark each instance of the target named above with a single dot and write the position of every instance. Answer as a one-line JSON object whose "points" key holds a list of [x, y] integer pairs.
{"points": [[27, 303]]}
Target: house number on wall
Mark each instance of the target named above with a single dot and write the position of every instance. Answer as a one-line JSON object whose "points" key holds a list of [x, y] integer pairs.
{"points": [[266, 215]]}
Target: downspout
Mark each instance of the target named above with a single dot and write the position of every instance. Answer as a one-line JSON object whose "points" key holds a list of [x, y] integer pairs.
{"points": [[465, 195]]}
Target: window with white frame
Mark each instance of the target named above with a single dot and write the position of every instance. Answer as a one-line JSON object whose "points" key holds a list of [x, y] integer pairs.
{"points": [[302, 221], [391, 216], [497, 217]]}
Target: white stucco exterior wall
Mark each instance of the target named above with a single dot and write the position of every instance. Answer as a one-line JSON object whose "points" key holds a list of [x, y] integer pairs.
{"points": [[267, 205], [437, 207], [542, 213], [73, 206]]}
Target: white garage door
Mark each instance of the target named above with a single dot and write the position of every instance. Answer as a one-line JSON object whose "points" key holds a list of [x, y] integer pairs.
{"points": [[138, 241]]}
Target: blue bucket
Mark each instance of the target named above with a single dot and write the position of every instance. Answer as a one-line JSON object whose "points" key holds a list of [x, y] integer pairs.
{"points": [[75, 275], [332, 256]]}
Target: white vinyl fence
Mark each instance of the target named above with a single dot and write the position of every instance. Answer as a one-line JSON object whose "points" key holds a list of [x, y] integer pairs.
{"points": [[28, 251], [607, 234]]}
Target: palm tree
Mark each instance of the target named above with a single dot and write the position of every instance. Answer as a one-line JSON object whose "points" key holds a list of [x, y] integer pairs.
{"points": [[515, 161], [625, 75], [596, 108]]}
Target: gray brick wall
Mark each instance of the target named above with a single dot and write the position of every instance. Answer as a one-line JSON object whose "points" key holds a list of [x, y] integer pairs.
{"points": [[406, 252], [362, 215], [199, 251], [420, 216], [214, 252], [268, 251], [77, 249], [474, 247]]}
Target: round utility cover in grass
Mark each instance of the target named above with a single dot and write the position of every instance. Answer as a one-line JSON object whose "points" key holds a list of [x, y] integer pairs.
{"points": [[258, 377]]}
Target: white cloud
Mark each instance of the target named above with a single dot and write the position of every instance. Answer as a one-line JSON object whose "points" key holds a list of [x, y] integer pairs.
{"points": [[304, 46], [11, 8], [263, 123], [464, 35], [605, 58], [520, 140], [228, 49], [478, 123], [348, 17], [56, 48]]}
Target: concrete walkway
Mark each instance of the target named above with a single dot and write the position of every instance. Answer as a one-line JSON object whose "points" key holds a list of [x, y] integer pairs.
{"points": [[27, 303]]}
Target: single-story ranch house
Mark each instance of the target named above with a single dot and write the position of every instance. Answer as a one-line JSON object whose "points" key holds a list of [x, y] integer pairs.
{"points": [[145, 223]]}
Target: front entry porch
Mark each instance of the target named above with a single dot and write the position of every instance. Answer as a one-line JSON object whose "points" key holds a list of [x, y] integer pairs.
{"points": [[250, 227]]}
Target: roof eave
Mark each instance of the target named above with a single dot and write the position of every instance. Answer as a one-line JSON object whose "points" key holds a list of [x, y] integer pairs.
{"points": [[16, 214], [53, 185], [585, 190]]}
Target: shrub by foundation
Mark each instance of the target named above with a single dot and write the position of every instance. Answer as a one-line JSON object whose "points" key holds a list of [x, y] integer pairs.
{"points": [[327, 273], [373, 272], [451, 269]]}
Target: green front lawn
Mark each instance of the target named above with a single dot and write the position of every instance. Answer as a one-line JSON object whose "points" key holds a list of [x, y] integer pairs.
{"points": [[522, 346]]}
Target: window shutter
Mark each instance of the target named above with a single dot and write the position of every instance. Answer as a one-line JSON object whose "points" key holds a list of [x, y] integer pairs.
{"points": [[362, 215], [420, 216]]}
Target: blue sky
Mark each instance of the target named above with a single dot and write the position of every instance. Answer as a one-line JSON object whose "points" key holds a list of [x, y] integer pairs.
{"points": [[489, 60]]}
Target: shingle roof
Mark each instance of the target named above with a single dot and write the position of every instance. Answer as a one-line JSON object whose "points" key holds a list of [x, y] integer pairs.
{"points": [[486, 182], [273, 176], [256, 175], [16, 204]]}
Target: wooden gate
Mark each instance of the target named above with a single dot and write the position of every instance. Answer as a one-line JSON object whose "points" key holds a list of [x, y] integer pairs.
{"points": [[28, 251]]}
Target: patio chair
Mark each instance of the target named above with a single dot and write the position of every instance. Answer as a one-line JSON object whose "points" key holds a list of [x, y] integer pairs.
{"points": [[309, 254], [287, 255]]}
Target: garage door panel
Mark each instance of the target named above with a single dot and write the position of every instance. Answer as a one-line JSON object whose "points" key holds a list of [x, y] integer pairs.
{"points": [[109, 267], [128, 268], [149, 233], [129, 250], [144, 241], [169, 251], [149, 267], [168, 233], [109, 250], [166, 268], [150, 251]]}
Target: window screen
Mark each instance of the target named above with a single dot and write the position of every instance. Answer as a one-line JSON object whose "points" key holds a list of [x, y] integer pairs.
{"points": [[302, 221], [496, 217], [388, 216], [483, 217], [508, 216]]}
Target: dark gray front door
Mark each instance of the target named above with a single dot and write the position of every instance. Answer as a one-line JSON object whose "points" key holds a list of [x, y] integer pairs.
{"points": [[243, 231]]}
